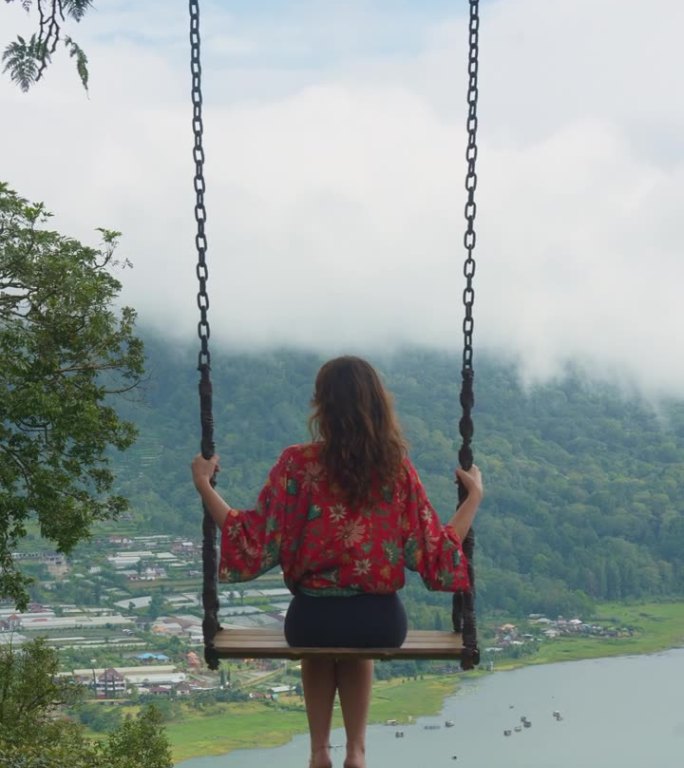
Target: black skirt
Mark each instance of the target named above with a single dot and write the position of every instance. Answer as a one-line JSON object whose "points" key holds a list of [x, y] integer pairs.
{"points": [[360, 621]]}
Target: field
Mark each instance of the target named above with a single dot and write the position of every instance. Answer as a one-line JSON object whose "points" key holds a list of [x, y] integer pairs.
{"points": [[241, 726]]}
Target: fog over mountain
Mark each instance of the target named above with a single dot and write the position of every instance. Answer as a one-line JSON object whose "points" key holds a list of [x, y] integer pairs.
{"points": [[335, 166]]}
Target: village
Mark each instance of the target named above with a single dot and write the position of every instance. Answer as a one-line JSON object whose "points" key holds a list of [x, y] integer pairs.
{"points": [[135, 626]]}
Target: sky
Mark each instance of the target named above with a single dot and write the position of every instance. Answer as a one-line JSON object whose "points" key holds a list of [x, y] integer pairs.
{"points": [[335, 144]]}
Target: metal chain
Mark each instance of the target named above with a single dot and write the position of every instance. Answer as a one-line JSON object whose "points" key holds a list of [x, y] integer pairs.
{"points": [[466, 428], [210, 603], [203, 329], [463, 610], [469, 238]]}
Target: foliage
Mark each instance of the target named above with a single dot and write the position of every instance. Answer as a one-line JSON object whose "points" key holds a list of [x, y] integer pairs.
{"points": [[585, 485], [156, 606], [69, 749], [65, 351], [34, 735], [30, 691], [140, 741], [98, 718], [27, 59]]}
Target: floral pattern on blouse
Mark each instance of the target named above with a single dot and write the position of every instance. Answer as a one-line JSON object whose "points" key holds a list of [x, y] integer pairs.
{"points": [[302, 524]]}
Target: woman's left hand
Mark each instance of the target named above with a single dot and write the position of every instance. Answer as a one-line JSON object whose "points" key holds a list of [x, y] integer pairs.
{"points": [[204, 469]]}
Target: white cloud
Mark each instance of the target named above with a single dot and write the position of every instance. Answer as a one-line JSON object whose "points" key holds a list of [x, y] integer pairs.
{"points": [[335, 185]]}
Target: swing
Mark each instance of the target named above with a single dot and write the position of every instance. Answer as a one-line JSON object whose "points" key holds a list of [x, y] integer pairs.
{"points": [[461, 643]]}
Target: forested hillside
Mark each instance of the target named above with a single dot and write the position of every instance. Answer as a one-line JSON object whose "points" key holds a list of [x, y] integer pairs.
{"points": [[585, 489]]}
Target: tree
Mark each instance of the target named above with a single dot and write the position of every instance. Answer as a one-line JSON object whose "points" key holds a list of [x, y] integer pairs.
{"points": [[140, 741], [156, 606], [30, 691], [68, 748], [27, 60], [35, 734], [137, 742], [65, 351]]}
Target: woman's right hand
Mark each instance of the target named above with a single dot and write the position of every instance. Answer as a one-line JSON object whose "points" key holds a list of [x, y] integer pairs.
{"points": [[471, 480]]}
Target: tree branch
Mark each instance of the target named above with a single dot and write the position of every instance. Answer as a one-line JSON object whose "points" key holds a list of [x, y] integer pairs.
{"points": [[27, 61]]}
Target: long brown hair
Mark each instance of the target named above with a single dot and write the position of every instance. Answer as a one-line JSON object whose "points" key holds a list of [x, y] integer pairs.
{"points": [[353, 416]]}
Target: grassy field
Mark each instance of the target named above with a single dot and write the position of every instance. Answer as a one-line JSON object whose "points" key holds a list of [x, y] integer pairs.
{"points": [[233, 726], [242, 726], [224, 728]]}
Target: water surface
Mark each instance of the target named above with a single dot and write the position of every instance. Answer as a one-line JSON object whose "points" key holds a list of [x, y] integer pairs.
{"points": [[625, 712]]}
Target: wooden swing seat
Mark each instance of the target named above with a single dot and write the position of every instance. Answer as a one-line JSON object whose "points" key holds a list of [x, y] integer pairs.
{"points": [[269, 643]]}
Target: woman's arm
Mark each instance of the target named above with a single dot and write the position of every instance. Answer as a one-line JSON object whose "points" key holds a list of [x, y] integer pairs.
{"points": [[202, 472], [463, 517], [250, 538]]}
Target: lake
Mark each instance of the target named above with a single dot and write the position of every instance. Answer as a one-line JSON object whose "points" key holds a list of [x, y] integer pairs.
{"points": [[625, 712]]}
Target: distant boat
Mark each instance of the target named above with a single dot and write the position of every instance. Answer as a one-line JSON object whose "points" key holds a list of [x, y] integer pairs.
{"points": [[518, 728], [399, 735], [527, 724], [432, 727], [507, 732], [449, 723]]}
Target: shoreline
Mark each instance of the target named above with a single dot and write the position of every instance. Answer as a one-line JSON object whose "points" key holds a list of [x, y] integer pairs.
{"points": [[658, 627], [262, 725]]}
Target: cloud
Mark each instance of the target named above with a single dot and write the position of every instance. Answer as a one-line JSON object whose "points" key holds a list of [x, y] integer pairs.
{"points": [[335, 176]]}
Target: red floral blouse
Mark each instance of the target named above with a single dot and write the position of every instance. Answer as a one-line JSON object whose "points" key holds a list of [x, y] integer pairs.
{"points": [[302, 524]]}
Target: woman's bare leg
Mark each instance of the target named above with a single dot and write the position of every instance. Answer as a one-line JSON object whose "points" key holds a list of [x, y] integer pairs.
{"points": [[318, 683], [354, 682]]}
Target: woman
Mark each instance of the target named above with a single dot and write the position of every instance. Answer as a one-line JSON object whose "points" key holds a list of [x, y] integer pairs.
{"points": [[343, 516]]}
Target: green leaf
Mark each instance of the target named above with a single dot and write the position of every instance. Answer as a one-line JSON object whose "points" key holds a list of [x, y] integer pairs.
{"points": [[76, 8], [75, 51], [23, 60]]}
